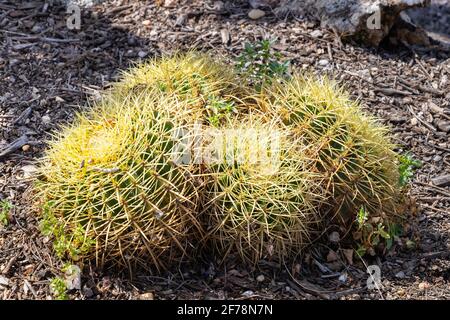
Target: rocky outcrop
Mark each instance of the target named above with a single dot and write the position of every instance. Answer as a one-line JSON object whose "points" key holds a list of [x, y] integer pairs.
{"points": [[367, 21]]}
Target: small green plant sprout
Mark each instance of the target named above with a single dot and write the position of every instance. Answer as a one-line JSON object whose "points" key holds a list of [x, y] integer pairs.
{"points": [[5, 209], [371, 232], [59, 288], [261, 64], [218, 109], [72, 246], [406, 168], [361, 217]]}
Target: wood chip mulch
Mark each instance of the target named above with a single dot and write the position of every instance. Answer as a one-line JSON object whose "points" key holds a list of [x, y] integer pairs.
{"points": [[48, 72]]}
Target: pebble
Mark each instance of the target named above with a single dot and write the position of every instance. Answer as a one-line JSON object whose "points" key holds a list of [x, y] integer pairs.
{"points": [[323, 62], [225, 35], [26, 147], [424, 286], [146, 22], [316, 34], [444, 125], [142, 54], [4, 281], [343, 278], [146, 296], [400, 275], [401, 292], [414, 121], [29, 170], [260, 278], [434, 108], [87, 292], [73, 278], [334, 237], [248, 293], [46, 119], [255, 14]]}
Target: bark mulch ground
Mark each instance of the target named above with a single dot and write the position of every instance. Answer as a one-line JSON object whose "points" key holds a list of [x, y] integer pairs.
{"points": [[48, 72]]}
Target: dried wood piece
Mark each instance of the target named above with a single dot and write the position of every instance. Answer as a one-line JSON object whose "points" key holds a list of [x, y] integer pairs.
{"points": [[441, 181], [13, 146]]}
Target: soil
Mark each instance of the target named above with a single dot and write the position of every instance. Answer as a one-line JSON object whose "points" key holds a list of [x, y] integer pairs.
{"points": [[48, 73]]}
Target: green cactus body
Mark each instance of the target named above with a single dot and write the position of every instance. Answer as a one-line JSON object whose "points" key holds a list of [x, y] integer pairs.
{"points": [[352, 151], [114, 193], [263, 208]]}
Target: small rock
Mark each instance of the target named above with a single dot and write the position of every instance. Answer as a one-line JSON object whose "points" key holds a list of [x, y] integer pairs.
{"points": [[59, 99], [343, 278], [146, 296], [46, 119], [29, 170], [256, 14], [170, 3], [401, 292], [225, 35], [400, 275], [334, 237], [414, 121], [434, 108], [4, 281], [73, 278], [323, 62], [87, 292], [132, 41], [146, 22], [248, 293], [260, 278], [424, 286], [316, 34], [444, 125], [142, 54], [26, 147]]}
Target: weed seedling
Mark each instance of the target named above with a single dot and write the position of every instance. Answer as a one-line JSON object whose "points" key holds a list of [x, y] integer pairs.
{"points": [[406, 168], [59, 288], [5, 208], [261, 64]]}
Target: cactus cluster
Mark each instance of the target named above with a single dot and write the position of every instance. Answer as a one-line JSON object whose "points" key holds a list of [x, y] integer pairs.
{"points": [[113, 193]]}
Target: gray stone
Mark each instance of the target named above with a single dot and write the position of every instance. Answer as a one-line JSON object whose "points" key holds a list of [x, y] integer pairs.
{"points": [[368, 21], [255, 14]]}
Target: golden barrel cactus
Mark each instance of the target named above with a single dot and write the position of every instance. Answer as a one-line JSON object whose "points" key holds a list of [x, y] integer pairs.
{"points": [[112, 190], [262, 200], [352, 150]]}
